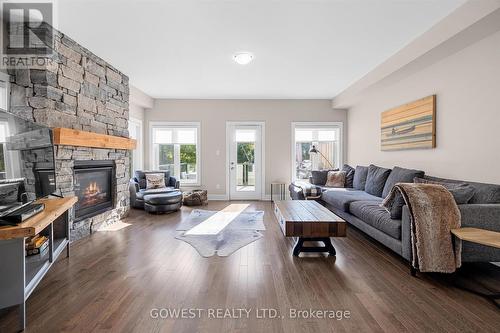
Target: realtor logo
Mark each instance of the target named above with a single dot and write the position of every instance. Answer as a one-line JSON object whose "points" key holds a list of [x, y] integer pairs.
{"points": [[29, 28]]}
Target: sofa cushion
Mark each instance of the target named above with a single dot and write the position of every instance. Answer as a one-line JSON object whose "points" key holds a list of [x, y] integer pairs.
{"points": [[371, 213], [340, 198], [349, 177], [375, 180], [483, 194], [318, 177], [400, 175], [359, 179], [462, 192]]}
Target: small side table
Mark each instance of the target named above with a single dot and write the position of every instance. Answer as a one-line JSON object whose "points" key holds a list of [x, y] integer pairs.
{"points": [[281, 191], [483, 237]]}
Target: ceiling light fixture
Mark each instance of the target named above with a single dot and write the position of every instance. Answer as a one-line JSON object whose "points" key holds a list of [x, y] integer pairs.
{"points": [[243, 58]]}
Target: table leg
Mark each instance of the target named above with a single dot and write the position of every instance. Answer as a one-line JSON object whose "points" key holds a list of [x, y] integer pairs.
{"points": [[22, 316], [68, 230], [298, 246], [328, 246]]}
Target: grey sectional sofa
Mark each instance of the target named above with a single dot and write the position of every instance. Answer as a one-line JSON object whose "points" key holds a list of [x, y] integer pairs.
{"points": [[363, 210]]}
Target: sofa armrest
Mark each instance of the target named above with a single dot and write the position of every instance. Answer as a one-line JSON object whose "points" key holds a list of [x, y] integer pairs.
{"points": [[133, 189], [296, 192], [484, 216], [134, 185], [173, 182]]}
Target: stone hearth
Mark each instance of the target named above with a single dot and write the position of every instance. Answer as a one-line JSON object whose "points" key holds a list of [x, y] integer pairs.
{"points": [[81, 91]]}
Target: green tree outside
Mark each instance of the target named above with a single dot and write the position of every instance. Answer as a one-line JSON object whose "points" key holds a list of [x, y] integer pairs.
{"points": [[245, 153]]}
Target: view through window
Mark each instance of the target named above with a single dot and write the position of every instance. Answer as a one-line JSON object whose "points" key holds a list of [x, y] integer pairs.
{"points": [[176, 150], [327, 141]]}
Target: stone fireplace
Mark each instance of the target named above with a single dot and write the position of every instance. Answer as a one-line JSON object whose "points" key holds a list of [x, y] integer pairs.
{"points": [[79, 90], [94, 187]]}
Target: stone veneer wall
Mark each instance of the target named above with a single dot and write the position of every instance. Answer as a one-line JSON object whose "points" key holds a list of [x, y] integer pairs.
{"points": [[81, 91]]}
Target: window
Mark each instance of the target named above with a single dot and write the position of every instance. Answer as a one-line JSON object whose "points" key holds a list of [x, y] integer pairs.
{"points": [[4, 91], [176, 148], [135, 132], [326, 138], [4, 127]]}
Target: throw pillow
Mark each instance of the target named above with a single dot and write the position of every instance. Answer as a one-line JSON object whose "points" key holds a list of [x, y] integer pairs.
{"points": [[318, 177], [462, 192], [335, 179], [400, 175], [396, 206], [349, 177], [155, 180], [375, 180], [359, 180]]}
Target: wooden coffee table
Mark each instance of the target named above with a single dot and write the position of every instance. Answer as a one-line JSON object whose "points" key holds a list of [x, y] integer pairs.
{"points": [[309, 221]]}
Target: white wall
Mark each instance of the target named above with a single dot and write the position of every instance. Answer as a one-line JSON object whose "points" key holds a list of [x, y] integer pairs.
{"points": [[467, 85], [213, 114], [139, 103]]}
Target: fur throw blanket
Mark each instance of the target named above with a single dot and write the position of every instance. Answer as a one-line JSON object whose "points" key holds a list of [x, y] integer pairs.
{"points": [[433, 214]]}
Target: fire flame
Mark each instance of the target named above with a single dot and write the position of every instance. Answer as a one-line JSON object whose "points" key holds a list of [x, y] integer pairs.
{"points": [[92, 189]]}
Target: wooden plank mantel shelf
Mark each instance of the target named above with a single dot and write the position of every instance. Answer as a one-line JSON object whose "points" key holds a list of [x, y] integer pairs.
{"points": [[72, 137]]}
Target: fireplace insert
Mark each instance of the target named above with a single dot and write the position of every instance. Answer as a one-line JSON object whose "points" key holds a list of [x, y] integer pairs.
{"points": [[93, 183]]}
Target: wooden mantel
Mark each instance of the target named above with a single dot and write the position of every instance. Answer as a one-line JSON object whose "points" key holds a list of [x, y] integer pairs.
{"points": [[72, 137]]}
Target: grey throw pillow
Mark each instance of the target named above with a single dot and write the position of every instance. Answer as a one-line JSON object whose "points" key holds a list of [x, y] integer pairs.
{"points": [[462, 192], [359, 179], [349, 175], [375, 180], [318, 177], [396, 206], [400, 175]]}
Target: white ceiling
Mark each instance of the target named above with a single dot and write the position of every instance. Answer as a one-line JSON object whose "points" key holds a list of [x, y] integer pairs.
{"points": [[303, 49]]}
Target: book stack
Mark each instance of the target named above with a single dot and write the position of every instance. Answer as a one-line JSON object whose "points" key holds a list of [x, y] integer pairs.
{"points": [[36, 248]]}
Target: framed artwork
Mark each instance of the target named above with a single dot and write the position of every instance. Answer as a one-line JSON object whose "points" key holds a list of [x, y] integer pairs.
{"points": [[410, 126]]}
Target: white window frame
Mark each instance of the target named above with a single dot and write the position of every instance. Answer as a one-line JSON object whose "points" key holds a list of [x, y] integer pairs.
{"points": [[5, 78], [139, 150], [305, 124], [169, 124]]}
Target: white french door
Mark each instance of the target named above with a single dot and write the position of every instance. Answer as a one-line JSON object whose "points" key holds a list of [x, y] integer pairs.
{"points": [[245, 169]]}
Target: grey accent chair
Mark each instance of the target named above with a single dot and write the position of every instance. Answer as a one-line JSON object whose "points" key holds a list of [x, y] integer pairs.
{"points": [[138, 189]]}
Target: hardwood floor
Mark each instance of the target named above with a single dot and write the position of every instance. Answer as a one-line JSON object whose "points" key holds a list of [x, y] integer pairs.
{"points": [[114, 278]]}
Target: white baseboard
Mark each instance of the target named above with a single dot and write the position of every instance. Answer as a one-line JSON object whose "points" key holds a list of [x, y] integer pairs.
{"points": [[225, 197]]}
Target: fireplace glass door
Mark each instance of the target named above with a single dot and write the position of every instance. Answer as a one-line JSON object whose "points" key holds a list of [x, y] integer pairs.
{"points": [[93, 186]]}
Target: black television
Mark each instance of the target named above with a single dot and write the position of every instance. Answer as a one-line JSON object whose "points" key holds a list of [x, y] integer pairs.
{"points": [[27, 167]]}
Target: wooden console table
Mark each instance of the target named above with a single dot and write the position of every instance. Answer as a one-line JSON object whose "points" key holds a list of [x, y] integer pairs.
{"points": [[19, 278]]}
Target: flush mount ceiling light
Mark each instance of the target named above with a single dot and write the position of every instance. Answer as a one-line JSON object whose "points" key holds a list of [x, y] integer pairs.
{"points": [[243, 58]]}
